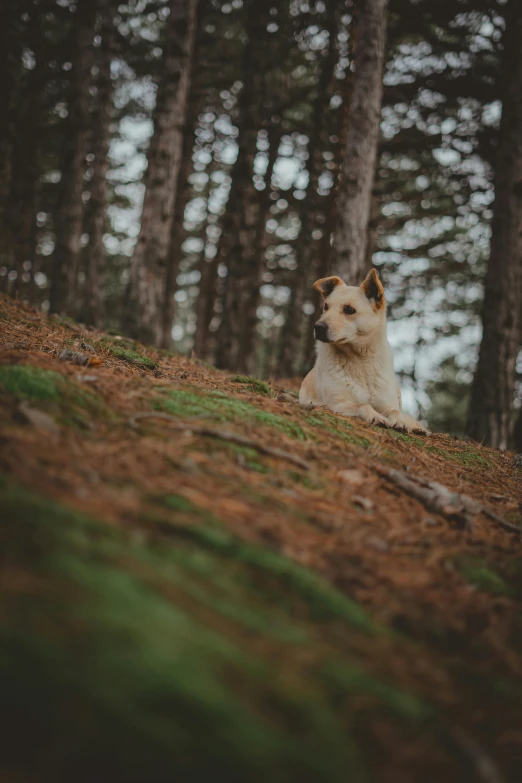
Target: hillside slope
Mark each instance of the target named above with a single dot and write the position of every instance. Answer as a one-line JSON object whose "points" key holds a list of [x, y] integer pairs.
{"points": [[178, 603]]}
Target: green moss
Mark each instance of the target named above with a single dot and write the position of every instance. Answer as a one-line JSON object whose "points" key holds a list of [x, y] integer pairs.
{"points": [[468, 457], [181, 656], [477, 573], [249, 458], [324, 602], [30, 383], [337, 426], [354, 680], [412, 440], [223, 408], [178, 503], [253, 384], [132, 357], [56, 394]]}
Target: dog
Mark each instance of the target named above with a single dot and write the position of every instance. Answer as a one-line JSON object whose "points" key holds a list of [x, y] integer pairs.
{"points": [[353, 373]]}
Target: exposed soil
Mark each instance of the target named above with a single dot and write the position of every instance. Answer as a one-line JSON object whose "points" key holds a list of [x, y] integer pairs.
{"points": [[302, 624]]}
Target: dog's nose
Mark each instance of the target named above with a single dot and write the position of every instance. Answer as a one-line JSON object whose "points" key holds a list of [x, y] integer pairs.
{"points": [[321, 332]]}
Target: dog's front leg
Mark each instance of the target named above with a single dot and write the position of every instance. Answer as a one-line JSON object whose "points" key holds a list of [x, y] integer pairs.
{"points": [[360, 411]]}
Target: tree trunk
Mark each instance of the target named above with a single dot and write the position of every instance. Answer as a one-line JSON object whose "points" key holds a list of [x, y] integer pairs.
{"points": [[491, 414], [92, 295], [176, 240], [239, 225], [205, 305], [150, 258], [70, 212], [10, 49], [253, 273], [358, 169]]}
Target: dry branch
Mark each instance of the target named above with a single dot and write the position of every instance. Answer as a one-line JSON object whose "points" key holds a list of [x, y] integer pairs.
{"points": [[226, 435], [441, 500]]}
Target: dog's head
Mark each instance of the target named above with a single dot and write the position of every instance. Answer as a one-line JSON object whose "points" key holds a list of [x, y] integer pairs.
{"points": [[351, 314]]}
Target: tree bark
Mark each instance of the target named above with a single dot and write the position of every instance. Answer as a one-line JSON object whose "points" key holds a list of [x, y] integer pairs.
{"points": [[177, 236], [254, 271], [70, 212], [92, 294], [362, 139], [10, 49], [150, 258], [240, 224], [491, 414]]}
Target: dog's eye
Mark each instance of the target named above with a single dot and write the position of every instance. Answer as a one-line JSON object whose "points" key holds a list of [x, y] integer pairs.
{"points": [[348, 310], [325, 307]]}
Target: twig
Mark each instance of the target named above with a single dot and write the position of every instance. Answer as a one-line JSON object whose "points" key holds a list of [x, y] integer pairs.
{"points": [[226, 435], [502, 522], [486, 769], [441, 500]]}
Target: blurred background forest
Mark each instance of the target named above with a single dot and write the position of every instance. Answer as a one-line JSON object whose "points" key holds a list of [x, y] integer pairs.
{"points": [[181, 171]]}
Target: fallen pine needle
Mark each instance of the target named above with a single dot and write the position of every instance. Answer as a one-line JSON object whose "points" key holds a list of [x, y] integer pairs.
{"points": [[441, 500], [226, 435]]}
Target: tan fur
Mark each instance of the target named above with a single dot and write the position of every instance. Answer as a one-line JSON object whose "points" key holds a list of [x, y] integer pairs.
{"points": [[353, 373]]}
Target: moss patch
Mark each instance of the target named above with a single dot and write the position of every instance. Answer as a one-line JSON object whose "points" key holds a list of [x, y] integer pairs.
{"points": [[55, 393], [468, 457], [337, 426], [412, 440], [130, 651], [30, 383], [479, 574], [186, 403], [253, 384], [132, 357]]}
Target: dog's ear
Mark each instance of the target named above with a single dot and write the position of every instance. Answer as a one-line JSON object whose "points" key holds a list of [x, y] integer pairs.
{"points": [[373, 289], [326, 285]]}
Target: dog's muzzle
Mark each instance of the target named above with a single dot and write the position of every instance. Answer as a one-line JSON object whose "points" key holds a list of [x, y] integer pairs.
{"points": [[321, 332]]}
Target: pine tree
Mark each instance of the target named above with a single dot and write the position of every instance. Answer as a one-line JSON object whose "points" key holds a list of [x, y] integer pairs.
{"points": [[492, 416], [362, 139], [92, 294], [69, 222], [150, 258]]}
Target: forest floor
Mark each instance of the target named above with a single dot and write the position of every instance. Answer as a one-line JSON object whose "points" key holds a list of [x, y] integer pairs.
{"points": [[178, 604]]}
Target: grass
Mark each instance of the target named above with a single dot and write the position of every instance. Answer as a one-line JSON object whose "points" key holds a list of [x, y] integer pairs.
{"points": [[186, 403], [130, 651]]}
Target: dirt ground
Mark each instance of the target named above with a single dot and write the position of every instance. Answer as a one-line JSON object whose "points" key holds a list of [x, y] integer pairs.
{"points": [[417, 612]]}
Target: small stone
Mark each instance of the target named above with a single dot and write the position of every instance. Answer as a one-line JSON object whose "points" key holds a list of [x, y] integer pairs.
{"points": [[74, 357], [86, 347], [285, 397], [364, 503], [353, 477], [87, 378], [37, 418]]}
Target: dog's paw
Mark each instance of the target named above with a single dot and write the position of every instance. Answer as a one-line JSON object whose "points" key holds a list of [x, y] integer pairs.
{"points": [[404, 423], [379, 421]]}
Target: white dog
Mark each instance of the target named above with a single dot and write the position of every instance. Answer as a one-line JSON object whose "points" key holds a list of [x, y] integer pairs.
{"points": [[353, 374]]}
